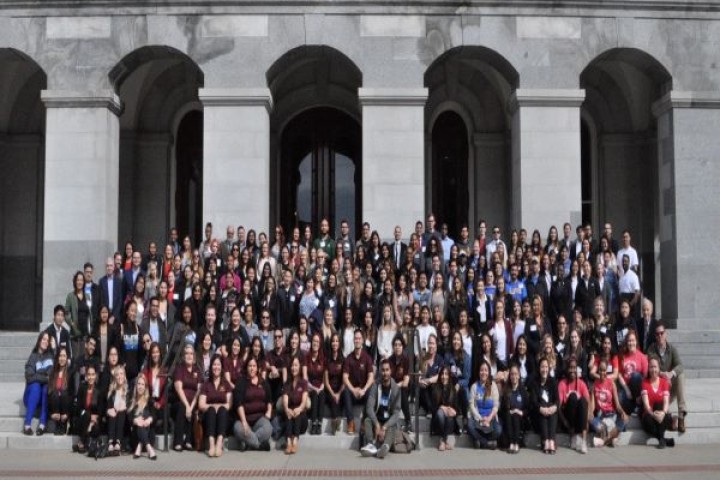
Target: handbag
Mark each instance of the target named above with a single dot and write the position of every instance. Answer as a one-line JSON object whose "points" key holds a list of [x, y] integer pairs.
{"points": [[198, 433]]}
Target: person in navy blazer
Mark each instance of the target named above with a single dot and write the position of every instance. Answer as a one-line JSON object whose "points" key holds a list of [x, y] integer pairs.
{"points": [[59, 335], [131, 274], [112, 299]]}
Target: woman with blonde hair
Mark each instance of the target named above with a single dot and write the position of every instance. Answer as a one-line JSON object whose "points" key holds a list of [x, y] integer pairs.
{"points": [[117, 408], [141, 415]]}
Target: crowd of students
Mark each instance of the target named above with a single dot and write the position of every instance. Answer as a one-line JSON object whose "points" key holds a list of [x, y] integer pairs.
{"points": [[261, 340]]}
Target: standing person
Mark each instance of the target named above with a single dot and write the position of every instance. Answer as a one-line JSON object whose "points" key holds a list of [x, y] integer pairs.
{"points": [[358, 377], [671, 369], [333, 380], [111, 291], [141, 416], [445, 401], [382, 411], [253, 405], [59, 335], [77, 312], [130, 335], [484, 402], [215, 400], [544, 402], [187, 379], [314, 372], [294, 403], [37, 372], [574, 399], [516, 408], [656, 417], [324, 241]]}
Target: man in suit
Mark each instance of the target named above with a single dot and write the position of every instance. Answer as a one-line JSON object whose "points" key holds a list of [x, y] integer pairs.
{"points": [[59, 335], [92, 291], [576, 245], [646, 326], [586, 291], [111, 291], [131, 274], [345, 242], [398, 248], [154, 325], [603, 288], [226, 246]]}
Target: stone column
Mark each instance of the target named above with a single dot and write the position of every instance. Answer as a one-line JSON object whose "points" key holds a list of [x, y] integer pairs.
{"points": [[393, 166], [81, 187], [689, 204], [546, 158], [236, 157]]}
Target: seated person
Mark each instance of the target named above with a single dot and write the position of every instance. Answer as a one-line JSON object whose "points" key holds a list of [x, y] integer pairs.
{"points": [[382, 412], [253, 404], [609, 418]]}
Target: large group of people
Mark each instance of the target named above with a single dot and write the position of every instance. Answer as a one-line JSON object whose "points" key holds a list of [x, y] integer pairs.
{"points": [[261, 338]]}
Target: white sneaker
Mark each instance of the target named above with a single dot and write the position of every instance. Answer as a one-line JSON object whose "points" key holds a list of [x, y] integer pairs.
{"points": [[369, 450], [598, 442], [383, 450], [583, 446]]}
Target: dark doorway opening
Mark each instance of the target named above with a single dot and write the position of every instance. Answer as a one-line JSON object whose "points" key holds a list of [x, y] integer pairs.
{"points": [[450, 200], [321, 169], [189, 168]]}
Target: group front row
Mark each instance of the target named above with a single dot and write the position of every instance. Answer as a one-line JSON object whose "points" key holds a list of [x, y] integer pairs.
{"points": [[257, 396]]}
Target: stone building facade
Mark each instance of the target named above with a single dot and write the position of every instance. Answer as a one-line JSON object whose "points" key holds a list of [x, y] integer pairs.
{"points": [[121, 119]]}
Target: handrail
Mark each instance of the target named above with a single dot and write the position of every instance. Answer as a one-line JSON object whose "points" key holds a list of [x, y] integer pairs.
{"points": [[416, 384]]}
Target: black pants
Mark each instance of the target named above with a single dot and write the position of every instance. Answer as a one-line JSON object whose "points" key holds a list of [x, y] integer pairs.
{"points": [[349, 400], [514, 427], [546, 426], [317, 399], [215, 422], [296, 426], [83, 423], [144, 435], [443, 425], [116, 426], [183, 427], [335, 407], [59, 403], [575, 412], [426, 399], [405, 403], [655, 429]]}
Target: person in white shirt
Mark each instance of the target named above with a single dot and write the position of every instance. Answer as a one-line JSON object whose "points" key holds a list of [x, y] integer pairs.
{"points": [[492, 246], [628, 250]]}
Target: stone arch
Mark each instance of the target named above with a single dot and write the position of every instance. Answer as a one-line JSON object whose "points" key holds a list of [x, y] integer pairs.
{"points": [[475, 83], [22, 161], [155, 83], [621, 178]]}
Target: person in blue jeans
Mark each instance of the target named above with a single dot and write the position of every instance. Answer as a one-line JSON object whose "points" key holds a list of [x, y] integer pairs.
{"points": [[37, 373], [484, 401]]}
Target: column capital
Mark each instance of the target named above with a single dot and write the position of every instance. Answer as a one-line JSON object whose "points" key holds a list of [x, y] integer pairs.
{"points": [[393, 96], [545, 97], [75, 99], [236, 97], [685, 99]]}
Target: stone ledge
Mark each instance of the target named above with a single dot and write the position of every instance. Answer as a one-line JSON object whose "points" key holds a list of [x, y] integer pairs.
{"points": [[236, 97], [685, 99], [545, 97], [71, 99], [392, 96]]}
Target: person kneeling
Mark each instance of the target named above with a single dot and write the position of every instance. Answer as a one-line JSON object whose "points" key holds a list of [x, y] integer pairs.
{"points": [[382, 412]]}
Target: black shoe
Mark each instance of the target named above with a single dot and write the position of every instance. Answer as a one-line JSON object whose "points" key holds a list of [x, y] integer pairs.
{"points": [[670, 442], [242, 446], [477, 444], [40, 431], [661, 443], [27, 431], [492, 445], [264, 446]]}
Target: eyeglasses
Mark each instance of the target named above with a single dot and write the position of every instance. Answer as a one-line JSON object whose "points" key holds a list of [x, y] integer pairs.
{"points": [[265, 317], [660, 334], [278, 337]]}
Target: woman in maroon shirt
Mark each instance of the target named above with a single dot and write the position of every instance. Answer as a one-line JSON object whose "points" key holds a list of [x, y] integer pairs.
{"points": [[655, 393], [234, 365], [294, 401], [214, 403], [314, 372], [186, 380], [333, 381], [253, 404]]}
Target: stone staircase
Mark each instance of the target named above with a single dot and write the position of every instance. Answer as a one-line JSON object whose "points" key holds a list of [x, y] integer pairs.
{"points": [[702, 390]]}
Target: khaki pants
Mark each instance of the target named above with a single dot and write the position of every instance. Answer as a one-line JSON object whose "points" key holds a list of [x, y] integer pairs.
{"points": [[369, 431], [677, 391]]}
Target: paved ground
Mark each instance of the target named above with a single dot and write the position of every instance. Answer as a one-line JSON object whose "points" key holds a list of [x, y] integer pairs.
{"points": [[631, 462]]}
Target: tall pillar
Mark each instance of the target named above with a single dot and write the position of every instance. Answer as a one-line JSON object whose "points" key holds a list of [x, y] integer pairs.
{"points": [[81, 187], [393, 157], [689, 207], [236, 157], [546, 158]]}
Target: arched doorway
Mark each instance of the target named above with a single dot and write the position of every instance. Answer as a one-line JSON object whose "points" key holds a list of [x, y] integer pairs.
{"points": [[22, 163], [158, 87], [315, 139], [468, 135], [321, 168], [619, 151], [450, 195]]}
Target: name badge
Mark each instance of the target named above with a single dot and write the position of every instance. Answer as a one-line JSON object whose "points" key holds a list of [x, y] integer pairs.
{"points": [[533, 328], [176, 296], [292, 298], [545, 396], [603, 329], [218, 261], [322, 244], [331, 303], [479, 309]]}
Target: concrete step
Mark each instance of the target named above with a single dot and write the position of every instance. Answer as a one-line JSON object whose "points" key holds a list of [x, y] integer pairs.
{"points": [[18, 339], [694, 336], [12, 366], [702, 373], [14, 353], [697, 348], [701, 362]]}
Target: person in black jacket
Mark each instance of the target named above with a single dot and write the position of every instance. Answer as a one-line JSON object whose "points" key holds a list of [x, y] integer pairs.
{"points": [[544, 406], [140, 413], [118, 401], [60, 392], [59, 335], [89, 406], [517, 407]]}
